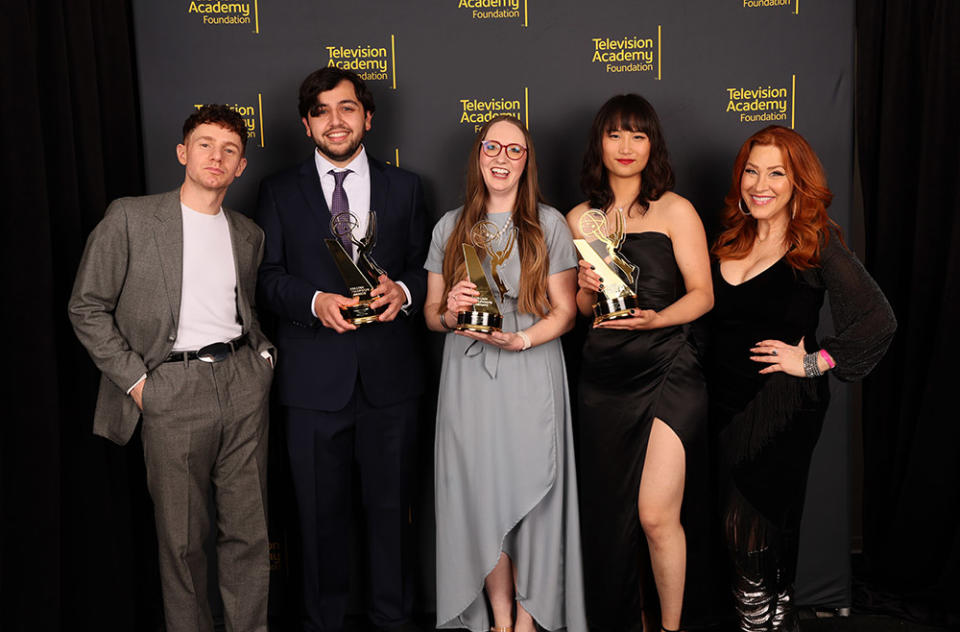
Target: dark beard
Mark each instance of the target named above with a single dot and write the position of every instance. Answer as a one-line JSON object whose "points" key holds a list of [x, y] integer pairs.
{"points": [[340, 156]]}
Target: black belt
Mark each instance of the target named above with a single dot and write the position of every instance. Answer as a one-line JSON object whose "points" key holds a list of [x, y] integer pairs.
{"points": [[216, 352]]}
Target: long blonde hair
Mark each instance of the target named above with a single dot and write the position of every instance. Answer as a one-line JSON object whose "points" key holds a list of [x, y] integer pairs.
{"points": [[534, 260]]}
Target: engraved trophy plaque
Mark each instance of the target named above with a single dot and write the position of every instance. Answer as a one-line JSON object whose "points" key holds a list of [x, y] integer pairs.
{"points": [[484, 316], [360, 277], [618, 295]]}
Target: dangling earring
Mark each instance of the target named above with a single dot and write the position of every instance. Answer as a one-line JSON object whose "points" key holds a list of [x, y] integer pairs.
{"points": [[740, 206], [793, 209]]}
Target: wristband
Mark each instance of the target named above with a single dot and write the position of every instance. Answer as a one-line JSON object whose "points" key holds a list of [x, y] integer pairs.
{"points": [[443, 321], [827, 358], [526, 340]]}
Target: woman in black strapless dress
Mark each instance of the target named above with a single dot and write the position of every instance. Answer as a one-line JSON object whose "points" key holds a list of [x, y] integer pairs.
{"points": [[642, 397], [777, 257]]}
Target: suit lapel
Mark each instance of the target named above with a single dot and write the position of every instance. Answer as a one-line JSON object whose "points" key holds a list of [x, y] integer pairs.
{"points": [[313, 192], [243, 247], [169, 237]]}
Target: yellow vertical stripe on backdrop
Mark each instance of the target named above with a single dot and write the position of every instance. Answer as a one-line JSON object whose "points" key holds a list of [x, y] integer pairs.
{"points": [[526, 106], [393, 54], [793, 103], [659, 53], [260, 110]]}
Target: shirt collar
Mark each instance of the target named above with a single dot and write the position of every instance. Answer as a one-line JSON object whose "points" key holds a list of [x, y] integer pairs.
{"points": [[358, 165]]}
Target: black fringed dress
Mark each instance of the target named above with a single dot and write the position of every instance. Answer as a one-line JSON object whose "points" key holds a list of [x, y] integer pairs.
{"points": [[766, 426]]}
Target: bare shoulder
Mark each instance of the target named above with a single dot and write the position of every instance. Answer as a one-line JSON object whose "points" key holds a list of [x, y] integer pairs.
{"points": [[672, 205], [677, 214]]}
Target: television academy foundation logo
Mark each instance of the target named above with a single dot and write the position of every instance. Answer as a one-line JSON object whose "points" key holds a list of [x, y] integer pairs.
{"points": [[252, 116], [794, 5], [768, 104], [477, 111], [495, 9], [370, 62], [630, 53], [227, 13]]}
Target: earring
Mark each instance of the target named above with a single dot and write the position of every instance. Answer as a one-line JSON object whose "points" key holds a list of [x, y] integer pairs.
{"points": [[793, 209], [740, 206]]}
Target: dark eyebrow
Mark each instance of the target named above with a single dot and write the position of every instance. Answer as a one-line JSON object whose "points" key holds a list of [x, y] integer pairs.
{"points": [[341, 102]]}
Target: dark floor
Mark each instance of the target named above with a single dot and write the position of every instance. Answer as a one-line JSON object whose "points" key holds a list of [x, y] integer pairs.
{"points": [[810, 621], [860, 623]]}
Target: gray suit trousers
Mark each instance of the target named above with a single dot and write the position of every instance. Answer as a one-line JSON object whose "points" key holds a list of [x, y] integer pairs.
{"points": [[205, 435]]}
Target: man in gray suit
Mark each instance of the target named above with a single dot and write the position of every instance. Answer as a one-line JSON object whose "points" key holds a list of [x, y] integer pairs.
{"points": [[164, 304]]}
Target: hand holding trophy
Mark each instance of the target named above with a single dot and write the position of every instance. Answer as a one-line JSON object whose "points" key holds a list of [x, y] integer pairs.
{"points": [[498, 243], [360, 277], [617, 296]]}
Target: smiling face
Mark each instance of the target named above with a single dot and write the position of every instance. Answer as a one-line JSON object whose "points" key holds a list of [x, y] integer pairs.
{"points": [[213, 157], [501, 174], [625, 153], [765, 184], [337, 123]]}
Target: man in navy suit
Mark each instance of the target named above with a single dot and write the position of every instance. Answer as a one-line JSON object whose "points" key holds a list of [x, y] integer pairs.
{"points": [[350, 393]]}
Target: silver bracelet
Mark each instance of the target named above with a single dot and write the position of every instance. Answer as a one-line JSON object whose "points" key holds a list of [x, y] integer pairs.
{"points": [[810, 366], [443, 321]]}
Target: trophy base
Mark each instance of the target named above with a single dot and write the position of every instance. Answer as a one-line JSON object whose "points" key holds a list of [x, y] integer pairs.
{"points": [[614, 308], [362, 313], [483, 322]]}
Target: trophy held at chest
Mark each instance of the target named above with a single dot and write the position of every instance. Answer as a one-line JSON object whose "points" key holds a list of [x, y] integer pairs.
{"points": [[498, 243], [618, 295], [360, 277]]}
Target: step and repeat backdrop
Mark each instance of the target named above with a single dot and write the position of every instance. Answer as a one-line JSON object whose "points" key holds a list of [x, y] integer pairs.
{"points": [[715, 70]]}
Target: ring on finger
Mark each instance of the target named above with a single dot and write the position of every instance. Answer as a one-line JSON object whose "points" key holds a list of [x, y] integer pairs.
{"points": [[773, 352]]}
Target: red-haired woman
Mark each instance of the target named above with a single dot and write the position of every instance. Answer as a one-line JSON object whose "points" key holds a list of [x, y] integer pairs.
{"points": [[778, 254], [506, 501]]}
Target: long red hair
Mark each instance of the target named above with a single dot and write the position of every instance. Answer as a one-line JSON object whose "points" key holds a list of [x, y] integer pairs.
{"points": [[809, 225]]}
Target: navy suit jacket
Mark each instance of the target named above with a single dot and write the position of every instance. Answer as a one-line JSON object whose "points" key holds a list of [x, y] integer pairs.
{"points": [[317, 367]]}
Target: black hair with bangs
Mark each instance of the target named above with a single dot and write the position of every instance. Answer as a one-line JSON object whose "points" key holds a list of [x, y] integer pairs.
{"points": [[628, 112]]}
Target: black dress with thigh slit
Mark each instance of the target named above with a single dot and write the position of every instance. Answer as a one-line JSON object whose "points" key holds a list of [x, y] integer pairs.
{"points": [[629, 378]]}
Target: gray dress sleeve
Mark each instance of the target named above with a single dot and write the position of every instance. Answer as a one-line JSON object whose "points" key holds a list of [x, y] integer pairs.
{"points": [[862, 318], [438, 242], [556, 233]]}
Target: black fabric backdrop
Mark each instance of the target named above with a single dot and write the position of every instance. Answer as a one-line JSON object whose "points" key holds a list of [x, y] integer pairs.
{"points": [[77, 548], [907, 94], [76, 539]]}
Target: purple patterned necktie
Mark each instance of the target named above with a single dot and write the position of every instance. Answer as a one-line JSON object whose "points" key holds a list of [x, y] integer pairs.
{"points": [[339, 204]]}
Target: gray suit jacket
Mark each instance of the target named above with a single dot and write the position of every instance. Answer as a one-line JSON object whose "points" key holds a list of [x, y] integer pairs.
{"points": [[125, 304]]}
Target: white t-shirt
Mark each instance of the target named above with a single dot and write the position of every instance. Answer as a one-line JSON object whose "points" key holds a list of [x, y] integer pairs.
{"points": [[208, 295]]}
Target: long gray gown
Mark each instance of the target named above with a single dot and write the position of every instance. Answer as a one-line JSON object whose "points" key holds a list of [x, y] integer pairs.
{"points": [[505, 477]]}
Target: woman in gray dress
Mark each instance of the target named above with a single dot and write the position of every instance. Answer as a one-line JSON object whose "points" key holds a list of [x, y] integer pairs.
{"points": [[508, 545]]}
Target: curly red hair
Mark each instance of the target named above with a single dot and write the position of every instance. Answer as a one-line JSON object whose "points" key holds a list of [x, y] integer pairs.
{"points": [[809, 225]]}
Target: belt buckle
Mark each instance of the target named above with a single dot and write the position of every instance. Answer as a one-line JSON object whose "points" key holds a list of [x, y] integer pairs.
{"points": [[216, 352]]}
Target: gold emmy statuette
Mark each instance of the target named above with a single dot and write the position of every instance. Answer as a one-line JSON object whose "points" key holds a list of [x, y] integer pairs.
{"points": [[498, 243], [360, 277], [618, 296]]}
